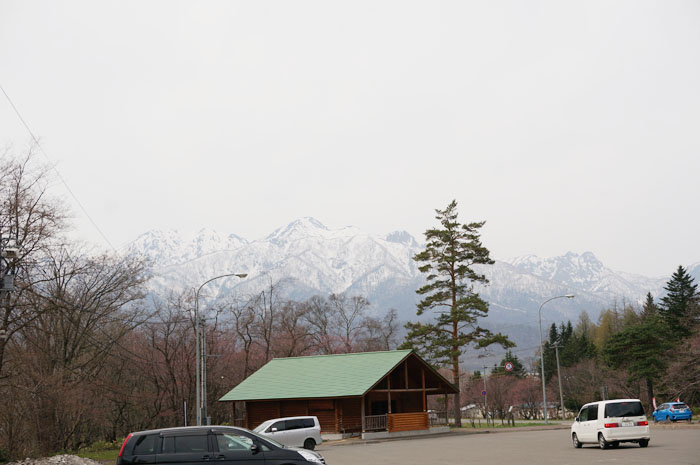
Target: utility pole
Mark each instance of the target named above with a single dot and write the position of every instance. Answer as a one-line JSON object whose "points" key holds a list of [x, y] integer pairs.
{"points": [[486, 399], [200, 352], [561, 395]]}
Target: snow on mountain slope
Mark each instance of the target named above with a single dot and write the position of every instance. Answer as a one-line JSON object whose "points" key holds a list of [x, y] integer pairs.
{"points": [[310, 258]]}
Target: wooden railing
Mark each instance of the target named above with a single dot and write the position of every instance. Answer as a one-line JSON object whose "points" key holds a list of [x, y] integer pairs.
{"points": [[375, 423], [408, 421]]}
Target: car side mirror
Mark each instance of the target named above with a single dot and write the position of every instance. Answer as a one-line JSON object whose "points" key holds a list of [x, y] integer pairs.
{"points": [[273, 430], [577, 419], [254, 449]]}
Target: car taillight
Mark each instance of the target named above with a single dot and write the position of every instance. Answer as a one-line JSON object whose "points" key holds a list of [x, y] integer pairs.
{"points": [[121, 451], [642, 423], [612, 425]]}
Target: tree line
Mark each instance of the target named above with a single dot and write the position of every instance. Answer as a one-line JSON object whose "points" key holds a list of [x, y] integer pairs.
{"points": [[636, 351], [88, 354]]}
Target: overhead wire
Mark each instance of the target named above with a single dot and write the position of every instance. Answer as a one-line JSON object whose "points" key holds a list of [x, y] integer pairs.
{"points": [[58, 174]]}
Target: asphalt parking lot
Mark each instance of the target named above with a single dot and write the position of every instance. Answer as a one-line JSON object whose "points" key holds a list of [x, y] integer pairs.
{"points": [[679, 446]]}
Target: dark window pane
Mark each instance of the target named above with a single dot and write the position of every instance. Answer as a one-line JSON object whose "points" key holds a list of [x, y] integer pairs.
{"points": [[146, 445], [169, 445], [624, 409], [292, 424], [308, 422], [583, 416], [592, 412], [279, 425], [185, 444], [231, 442]]}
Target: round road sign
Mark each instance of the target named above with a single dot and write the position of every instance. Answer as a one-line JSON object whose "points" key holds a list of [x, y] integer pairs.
{"points": [[509, 366], [483, 393]]}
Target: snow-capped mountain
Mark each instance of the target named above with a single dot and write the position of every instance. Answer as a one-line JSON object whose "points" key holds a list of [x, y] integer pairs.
{"points": [[308, 258]]}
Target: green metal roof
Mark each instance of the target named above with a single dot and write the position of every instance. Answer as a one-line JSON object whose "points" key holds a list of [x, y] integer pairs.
{"points": [[341, 375]]}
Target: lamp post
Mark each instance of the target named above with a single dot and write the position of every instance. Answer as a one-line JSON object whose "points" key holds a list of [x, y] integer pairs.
{"points": [[200, 356], [544, 391]]}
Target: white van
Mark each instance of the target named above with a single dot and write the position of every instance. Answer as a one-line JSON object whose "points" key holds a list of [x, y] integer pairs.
{"points": [[610, 422], [292, 431]]}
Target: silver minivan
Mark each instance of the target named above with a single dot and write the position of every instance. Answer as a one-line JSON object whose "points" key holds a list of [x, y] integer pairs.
{"points": [[611, 422], [292, 431]]}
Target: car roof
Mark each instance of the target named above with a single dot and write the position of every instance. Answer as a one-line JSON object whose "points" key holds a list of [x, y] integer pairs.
{"points": [[289, 418], [612, 401], [184, 429]]}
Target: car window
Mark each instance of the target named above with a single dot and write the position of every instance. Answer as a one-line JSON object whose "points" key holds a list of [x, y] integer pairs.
{"points": [[593, 412], [230, 442], [624, 409], [146, 445], [663, 407], [680, 406], [308, 423], [185, 444], [278, 424], [583, 416], [293, 424]]}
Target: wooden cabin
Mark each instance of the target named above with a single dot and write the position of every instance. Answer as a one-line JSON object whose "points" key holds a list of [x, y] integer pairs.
{"points": [[349, 393]]}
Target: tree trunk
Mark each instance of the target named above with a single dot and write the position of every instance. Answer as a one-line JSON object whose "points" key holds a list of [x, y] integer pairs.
{"points": [[650, 392], [455, 379]]}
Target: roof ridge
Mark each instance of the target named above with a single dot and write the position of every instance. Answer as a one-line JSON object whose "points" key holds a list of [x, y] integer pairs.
{"points": [[344, 354]]}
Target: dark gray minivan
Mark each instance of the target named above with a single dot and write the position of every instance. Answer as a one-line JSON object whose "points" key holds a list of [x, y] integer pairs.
{"points": [[209, 445]]}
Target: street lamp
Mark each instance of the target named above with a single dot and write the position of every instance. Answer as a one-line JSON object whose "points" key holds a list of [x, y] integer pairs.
{"points": [[200, 357], [544, 391]]}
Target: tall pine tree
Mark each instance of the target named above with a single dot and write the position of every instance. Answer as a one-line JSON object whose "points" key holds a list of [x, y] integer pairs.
{"points": [[680, 305], [452, 251]]}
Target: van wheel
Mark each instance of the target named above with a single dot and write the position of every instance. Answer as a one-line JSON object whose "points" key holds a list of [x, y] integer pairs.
{"points": [[309, 444], [577, 443], [602, 443], [643, 442]]}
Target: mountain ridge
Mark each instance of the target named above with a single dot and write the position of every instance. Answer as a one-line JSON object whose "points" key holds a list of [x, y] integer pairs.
{"points": [[314, 259]]}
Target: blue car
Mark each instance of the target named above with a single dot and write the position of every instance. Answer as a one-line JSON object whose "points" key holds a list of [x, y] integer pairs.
{"points": [[673, 411]]}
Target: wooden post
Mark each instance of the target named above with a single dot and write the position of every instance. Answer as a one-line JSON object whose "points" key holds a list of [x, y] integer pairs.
{"points": [[362, 412], [388, 391], [422, 375], [405, 370]]}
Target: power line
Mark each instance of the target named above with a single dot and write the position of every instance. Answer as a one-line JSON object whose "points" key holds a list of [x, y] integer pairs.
{"points": [[70, 191]]}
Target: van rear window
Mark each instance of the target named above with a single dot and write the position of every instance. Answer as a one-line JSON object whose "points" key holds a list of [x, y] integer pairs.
{"points": [[624, 409]]}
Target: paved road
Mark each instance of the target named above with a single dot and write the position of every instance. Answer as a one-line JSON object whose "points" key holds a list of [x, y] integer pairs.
{"points": [[667, 446]]}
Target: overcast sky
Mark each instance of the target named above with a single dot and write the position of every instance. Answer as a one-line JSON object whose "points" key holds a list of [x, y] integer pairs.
{"points": [[567, 126]]}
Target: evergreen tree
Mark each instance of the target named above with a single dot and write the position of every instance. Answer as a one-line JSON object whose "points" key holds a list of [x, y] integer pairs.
{"points": [[640, 349], [649, 308], [518, 370], [680, 304], [448, 260], [550, 360]]}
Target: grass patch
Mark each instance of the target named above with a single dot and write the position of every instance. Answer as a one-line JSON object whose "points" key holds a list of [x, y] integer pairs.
{"points": [[497, 424], [101, 451], [99, 455]]}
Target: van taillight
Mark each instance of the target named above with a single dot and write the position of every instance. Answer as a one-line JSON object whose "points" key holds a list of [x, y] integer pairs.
{"points": [[121, 451], [612, 425], [642, 423]]}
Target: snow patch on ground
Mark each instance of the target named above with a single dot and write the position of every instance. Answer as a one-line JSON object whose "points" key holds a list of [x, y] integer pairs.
{"points": [[57, 460]]}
